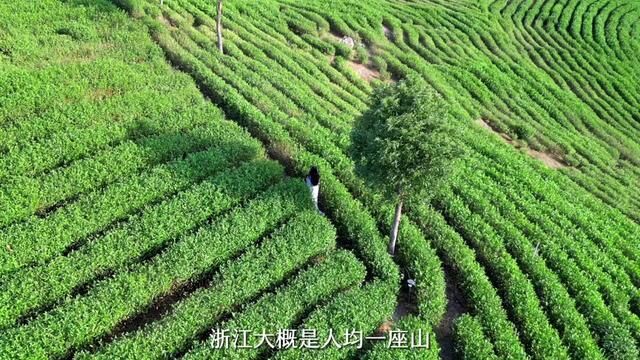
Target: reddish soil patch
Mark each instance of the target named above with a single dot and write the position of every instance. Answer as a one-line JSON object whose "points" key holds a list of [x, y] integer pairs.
{"points": [[550, 160], [547, 159], [364, 71]]}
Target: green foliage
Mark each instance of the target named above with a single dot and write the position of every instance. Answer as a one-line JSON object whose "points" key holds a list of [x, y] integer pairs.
{"points": [[362, 54], [300, 25], [380, 64], [524, 132], [411, 325], [134, 7], [122, 173], [471, 344], [259, 268], [323, 46], [98, 209], [281, 309], [343, 50], [81, 320], [345, 312], [421, 263], [480, 293], [517, 287], [556, 297], [75, 322], [77, 32], [406, 142], [36, 287], [27, 195]]}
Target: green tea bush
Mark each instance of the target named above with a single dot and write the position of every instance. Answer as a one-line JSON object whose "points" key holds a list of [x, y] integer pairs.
{"points": [[362, 54], [237, 281], [281, 309], [77, 32]]}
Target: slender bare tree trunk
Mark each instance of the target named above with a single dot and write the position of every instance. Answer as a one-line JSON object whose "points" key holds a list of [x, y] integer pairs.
{"points": [[395, 228], [161, 2], [219, 26]]}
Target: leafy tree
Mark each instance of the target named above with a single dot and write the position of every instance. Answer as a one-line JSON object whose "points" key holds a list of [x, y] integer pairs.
{"points": [[405, 144]]}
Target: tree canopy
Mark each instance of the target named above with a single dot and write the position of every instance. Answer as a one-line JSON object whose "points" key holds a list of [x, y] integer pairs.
{"points": [[406, 143]]}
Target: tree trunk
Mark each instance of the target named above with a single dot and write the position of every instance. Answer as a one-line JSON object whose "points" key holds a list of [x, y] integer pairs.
{"points": [[219, 26], [395, 228]]}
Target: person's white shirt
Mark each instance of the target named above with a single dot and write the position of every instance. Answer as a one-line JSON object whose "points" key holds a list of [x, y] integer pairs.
{"points": [[315, 191]]}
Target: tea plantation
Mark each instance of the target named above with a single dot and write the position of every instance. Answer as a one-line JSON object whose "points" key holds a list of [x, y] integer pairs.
{"points": [[152, 193]]}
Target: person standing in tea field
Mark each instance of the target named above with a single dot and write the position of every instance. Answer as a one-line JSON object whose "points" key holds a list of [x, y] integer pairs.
{"points": [[313, 182]]}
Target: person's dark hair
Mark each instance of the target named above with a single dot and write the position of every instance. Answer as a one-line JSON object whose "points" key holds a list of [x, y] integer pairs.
{"points": [[314, 176]]}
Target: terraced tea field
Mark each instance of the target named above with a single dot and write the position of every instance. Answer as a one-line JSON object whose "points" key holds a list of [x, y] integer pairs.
{"points": [[151, 187]]}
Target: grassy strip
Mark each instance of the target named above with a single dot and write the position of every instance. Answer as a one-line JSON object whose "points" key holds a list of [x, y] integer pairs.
{"points": [[284, 53], [281, 310], [35, 287], [67, 147], [130, 104], [97, 210], [26, 195], [420, 260], [315, 137], [307, 69], [587, 238], [471, 344], [536, 195], [436, 267], [604, 225], [80, 321]]}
